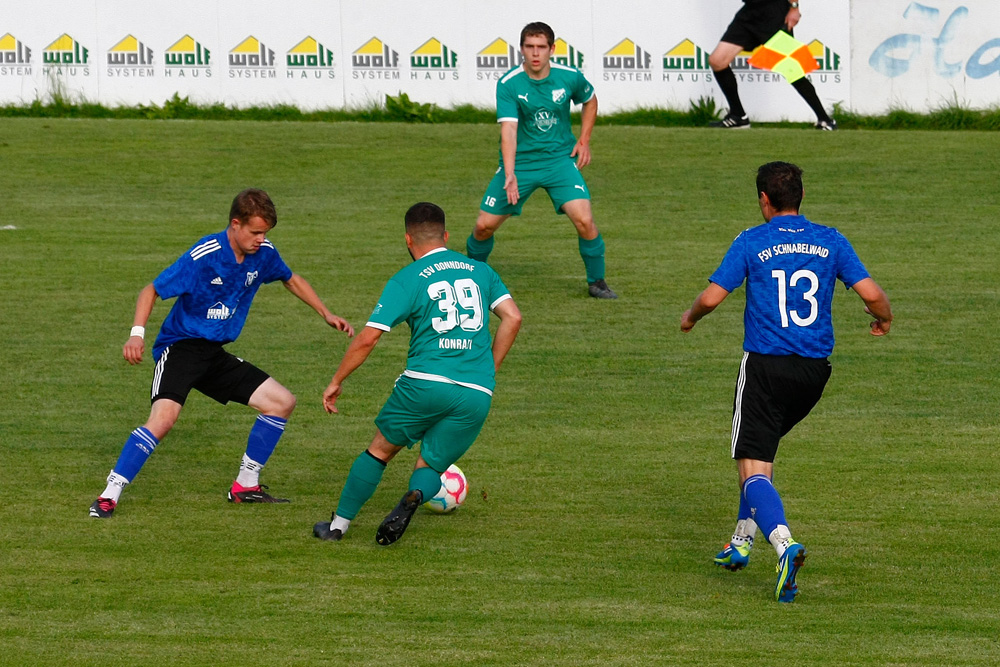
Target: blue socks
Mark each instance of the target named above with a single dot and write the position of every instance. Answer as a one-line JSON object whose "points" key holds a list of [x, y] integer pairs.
{"points": [[427, 480], [765, 504], [138, 447], [478, 250], [264, 436], [746, 527], [744, 507]]}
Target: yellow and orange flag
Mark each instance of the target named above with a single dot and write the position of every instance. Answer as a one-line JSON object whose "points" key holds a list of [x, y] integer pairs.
{"points": [[785, 55]]}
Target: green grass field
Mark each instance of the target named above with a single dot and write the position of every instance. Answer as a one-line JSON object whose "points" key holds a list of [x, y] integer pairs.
{"points": [[601, 485]]}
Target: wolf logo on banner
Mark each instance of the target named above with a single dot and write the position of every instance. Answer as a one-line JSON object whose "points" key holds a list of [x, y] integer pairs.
{"points": [[309, 59], [434, 58], [15, 57], [627, 61], [375, 60], [130, 58], [66, 56], [187, 58]]}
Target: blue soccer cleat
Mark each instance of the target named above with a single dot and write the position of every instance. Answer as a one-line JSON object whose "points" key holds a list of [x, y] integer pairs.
{"points": [[786, 589], [734, 558]]}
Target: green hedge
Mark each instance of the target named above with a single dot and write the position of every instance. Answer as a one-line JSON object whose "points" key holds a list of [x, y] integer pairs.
{"points": [[402, 109]]}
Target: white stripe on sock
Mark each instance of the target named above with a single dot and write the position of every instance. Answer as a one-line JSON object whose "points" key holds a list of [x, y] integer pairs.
{"points": [[272, 421]]}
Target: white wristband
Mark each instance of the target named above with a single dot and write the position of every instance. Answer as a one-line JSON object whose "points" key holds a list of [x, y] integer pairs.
{"points": [[138, 331]]}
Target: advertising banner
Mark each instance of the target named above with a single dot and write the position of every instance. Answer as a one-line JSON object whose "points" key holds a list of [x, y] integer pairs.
{"points": [[327, 54]]}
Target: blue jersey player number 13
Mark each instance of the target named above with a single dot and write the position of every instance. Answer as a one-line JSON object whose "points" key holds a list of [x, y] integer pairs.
{"points": [[791, 267]]}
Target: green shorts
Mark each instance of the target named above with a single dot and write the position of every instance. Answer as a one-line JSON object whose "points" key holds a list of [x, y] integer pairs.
{"points": [[562, 180], [446, 418]]}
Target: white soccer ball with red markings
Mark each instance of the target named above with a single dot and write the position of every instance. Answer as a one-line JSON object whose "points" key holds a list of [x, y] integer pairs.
{"points": [[454, 488]]}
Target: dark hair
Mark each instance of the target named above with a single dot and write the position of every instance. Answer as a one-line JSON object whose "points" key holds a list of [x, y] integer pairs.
{"points": [[425, 222], [253, 202], [782, 183], [538, 28]]}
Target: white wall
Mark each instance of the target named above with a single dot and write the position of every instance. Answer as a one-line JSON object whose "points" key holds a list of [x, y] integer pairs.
{"points": [[875, 56], [922, 55]]}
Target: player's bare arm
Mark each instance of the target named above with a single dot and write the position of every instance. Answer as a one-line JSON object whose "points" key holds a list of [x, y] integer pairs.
{"points": [[508, 149], [876, 305], [706, 302], [301, 288], [588, 118], [135, 345], [356, 353], [510, 324]]}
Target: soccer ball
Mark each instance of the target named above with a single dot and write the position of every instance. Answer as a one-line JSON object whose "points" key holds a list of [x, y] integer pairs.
{"points": [[454, 487]]}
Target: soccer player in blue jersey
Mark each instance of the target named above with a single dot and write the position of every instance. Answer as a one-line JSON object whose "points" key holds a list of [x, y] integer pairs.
{"points": [[538, 150], [791, 267], [442, 398], [214, 283]]}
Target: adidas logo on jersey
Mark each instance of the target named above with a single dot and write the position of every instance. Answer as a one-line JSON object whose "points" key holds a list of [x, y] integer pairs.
{"points": [[217, 281]]}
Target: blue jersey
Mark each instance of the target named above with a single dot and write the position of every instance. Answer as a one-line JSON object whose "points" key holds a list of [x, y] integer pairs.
{"points": [[213, 290], [791, 267]]}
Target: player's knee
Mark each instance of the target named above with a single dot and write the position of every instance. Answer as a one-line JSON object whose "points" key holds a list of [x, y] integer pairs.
{"points": [[586, 228], [486, 225], [483, 233], [382, 449], [162, 417], [160, 425], [286, 404], [718, 62]]}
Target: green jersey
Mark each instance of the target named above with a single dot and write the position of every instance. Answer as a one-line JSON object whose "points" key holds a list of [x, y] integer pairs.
{"points": [[541, 108], [446, 298]]}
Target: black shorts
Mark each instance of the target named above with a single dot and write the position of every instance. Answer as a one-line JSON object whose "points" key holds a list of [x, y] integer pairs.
{"points": [[756, 23], [773, 394], [204, 365]]}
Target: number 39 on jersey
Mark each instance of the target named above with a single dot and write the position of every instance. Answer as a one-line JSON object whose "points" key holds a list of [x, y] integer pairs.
{"points": [[461, 304]]}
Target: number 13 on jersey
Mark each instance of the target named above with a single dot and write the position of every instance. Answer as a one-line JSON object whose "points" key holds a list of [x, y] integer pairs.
{"points": [[808, 296]]}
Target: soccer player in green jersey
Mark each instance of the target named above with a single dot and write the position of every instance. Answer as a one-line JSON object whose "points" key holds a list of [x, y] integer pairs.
{"points": [[444, 395], [538, 150]]}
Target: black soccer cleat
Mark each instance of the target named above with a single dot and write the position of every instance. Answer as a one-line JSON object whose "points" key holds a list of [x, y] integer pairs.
{"points": [[731, 122], [395, 523], [103, 508], [323, 532], [826, 125], [600, 290], [252, 494]]}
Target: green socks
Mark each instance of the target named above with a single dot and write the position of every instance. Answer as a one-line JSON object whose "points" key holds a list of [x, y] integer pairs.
{"points": [[478, 250], [361, 483], [427, 480], [592, 252]]}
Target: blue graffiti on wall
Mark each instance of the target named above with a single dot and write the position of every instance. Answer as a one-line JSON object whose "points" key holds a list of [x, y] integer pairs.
{"points": [[894, 56]]}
